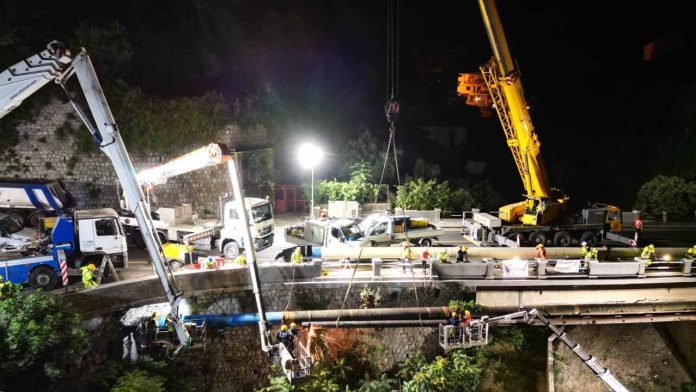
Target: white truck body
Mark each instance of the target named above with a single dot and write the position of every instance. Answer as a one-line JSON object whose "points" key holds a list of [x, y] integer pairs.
{"points": [[385, 229], [375, 230]]}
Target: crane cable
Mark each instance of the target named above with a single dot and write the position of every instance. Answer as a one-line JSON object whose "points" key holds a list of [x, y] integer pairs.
{"points": [[392, 107]]}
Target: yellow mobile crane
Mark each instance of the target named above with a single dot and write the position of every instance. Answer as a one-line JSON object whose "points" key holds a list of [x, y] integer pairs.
{"points": [[540, 212]]}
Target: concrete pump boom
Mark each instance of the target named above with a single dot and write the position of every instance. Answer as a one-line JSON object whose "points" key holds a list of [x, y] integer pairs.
{"points": [[56, 64]]}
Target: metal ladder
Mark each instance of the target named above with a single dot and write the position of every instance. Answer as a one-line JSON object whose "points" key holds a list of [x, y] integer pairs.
{"points": [[100, 271]]}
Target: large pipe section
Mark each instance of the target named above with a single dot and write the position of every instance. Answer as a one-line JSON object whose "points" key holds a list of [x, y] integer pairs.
{"points": [[430, 316], [394, 252]]}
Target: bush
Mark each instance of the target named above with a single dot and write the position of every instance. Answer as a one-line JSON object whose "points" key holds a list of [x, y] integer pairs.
{"points": [[674, 195], [40, 339], [456, 372]]}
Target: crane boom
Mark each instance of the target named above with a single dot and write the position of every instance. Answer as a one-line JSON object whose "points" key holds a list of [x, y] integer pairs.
{"points": [[503, 80], [55, 64]]}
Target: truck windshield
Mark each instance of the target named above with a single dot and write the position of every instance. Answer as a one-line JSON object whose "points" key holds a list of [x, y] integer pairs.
{"points": [[9, 225], [262, 213]]}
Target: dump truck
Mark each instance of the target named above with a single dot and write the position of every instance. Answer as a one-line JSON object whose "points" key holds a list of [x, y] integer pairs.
{"points": [[29, 200]]}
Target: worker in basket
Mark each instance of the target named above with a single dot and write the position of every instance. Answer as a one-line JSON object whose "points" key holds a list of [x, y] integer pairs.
{"points": [[455, 322], [87, 278]]}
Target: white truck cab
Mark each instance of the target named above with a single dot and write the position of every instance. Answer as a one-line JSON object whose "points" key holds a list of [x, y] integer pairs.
{"points": [[99, 232], [261, 214]]}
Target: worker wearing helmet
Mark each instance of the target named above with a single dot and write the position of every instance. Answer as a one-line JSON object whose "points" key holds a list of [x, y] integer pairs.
{"points": [[648, 254], [87, 278], [540, 252], [584, 250], [152, 326], [5, 288], [690, 253], [462, 254], [210, 263], [406, 255], [297, 256], [294, 330], [453, 320], [240, 260], [443, 256], [467, 319], [283, 335]]}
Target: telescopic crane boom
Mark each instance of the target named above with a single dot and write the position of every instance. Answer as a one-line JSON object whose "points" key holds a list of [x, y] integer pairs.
{"points": [[56, 64], [543, 203]]}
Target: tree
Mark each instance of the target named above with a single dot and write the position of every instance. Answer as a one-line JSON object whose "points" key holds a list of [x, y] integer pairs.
{"points": [[420, 194], [358, 188], [674, 195], [40, 339], [368, 151]]}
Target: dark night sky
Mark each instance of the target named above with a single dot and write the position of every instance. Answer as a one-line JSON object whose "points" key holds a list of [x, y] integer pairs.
{"points": [[594, 103]]}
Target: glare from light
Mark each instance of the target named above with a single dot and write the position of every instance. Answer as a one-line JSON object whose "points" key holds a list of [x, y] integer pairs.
{"points": [[667, 258], [309, 155]]}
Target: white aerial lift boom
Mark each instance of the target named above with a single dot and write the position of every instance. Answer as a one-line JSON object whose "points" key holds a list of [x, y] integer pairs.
{"points": [[56, 64], [476, 334]]}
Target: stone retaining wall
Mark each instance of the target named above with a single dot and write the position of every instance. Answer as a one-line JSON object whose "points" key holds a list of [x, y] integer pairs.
{"points": [[45, 152]]}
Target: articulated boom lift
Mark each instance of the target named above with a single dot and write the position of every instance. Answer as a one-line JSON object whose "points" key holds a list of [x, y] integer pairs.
{"points": [[502, 78], [56, 64], [476, 334]]}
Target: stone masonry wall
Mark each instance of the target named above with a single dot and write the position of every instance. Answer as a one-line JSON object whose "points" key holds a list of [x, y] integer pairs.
{"points": [[44, 154]]}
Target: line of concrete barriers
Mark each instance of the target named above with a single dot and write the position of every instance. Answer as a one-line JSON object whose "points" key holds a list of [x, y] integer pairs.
{"points": [[491, 269]]}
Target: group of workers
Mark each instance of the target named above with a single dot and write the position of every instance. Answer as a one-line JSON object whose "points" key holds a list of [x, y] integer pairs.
{"points": [[443, 256], [461, 324], [152, 327], [287, 336]]}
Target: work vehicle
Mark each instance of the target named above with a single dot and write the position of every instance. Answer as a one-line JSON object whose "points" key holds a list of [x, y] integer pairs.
{"points": [[542, 216], [178, 222], [375, 230], [476, 334], [55, 64], [84, 237], [27, 201]]}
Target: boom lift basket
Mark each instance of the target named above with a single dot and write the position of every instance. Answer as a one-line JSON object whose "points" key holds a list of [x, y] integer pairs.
{"points": [[297, 364], [456, 337]]}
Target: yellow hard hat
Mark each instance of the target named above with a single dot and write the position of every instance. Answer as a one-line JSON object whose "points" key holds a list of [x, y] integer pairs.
{"points": [[91, 267], [155, 314], [651, 246], [464, 248], [540, 246], [283, 327], [454, 314], [293, 325], [467, 313]]}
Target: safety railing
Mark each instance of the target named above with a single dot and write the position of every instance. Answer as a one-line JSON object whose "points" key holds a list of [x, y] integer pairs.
{"points": [[455, 337]]}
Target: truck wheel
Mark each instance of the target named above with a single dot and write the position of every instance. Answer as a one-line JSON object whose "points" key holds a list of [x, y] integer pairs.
{"points": [[162, 238], [43, 278], [537, 238], [35, 218], [589, 237], [231, 250], [18, 216], [562, 238], [426, 242]]}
